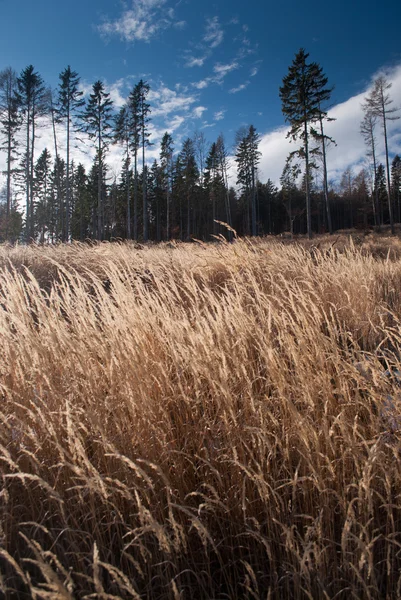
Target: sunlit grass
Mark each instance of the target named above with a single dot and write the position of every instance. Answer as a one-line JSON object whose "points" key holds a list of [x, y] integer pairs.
{"points": [[201, 421]]}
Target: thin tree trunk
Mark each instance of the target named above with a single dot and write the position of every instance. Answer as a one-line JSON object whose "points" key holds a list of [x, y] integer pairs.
{"points": [[168, 213], [188, 216], [58, 187], [9, 152], [390, 206], [27, 176], [67, 207], [325, 185], [128, 195], [32, 223], [99, 190], [253, 202], [376, 191], [308, 199], [136, 194]]}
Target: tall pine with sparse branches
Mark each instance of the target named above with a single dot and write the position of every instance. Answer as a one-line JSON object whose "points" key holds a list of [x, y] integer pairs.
{"points": [[10, 123], [33, 101], [302, 95], [122, 135], [97, 123], [144, 110], [69, 102]]}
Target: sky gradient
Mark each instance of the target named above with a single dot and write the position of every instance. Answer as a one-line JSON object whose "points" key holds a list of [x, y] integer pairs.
{"points": [[213, 66]]}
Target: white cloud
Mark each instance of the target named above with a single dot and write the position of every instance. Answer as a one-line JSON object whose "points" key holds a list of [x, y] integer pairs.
{"points": [[350, 150], [254, 71], [115, 91], [222, 70], [192, 61], [175, 123], [201, 85], [241, 87], [140, 23], [198, 111], [219, 115], [206, 125], [165, 101], [214, 34]]}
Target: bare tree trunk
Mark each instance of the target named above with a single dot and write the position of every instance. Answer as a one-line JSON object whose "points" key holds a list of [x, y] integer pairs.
{"points": [[253, 202], [32, 223], [8, 207], [136, 195], [99, 193], [307, 190], [57, 163], [325, 185], [67, 204], [376, 191], [168, 213], [27, 176], [128, 178], [390, 206]]}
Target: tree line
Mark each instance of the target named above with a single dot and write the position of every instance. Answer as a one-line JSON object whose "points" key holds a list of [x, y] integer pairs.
{"points": [[183, 194]]}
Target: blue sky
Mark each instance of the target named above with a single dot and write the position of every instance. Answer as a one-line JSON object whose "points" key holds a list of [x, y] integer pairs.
{"points": [[213, 66]]}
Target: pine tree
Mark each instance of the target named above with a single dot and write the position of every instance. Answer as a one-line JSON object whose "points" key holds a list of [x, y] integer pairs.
{"points": [[122, 134], [222, 158], [134, 127], [289, 192], [324, 141], [377, 104], [144, 110], [190, 176], [41, 190], [361, 193], [10, 123], [166, 162], [244, 180], [156, 197], [97, 119], [302, 94], [267, 194], [212, 181], [396, 184], [33, 101], [347, 187], [380, 185], [247, 158], [69, 102]]}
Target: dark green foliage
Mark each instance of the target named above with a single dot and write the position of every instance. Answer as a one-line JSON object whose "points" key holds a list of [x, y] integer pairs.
{"points": [[33, 102], [396, 186], [302, 95], [10, 123], [69, 102], [166, 166], [41, 191], [97, 123], [247, 157]]}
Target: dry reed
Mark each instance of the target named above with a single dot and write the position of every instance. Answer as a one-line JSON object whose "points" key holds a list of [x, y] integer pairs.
{"points": [[191, 421]]}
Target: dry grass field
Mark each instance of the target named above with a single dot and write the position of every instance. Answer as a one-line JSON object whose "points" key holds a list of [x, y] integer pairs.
{"points": [[195, 422]]}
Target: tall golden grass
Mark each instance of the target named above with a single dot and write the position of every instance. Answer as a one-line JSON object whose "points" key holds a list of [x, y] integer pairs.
{"points": [[192, 421]]}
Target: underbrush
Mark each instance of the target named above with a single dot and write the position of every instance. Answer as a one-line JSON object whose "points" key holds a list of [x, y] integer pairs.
{"points": [[201, 421]]}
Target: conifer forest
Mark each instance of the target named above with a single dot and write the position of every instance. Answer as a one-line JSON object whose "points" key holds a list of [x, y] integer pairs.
{"points": [[185, 193]]}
